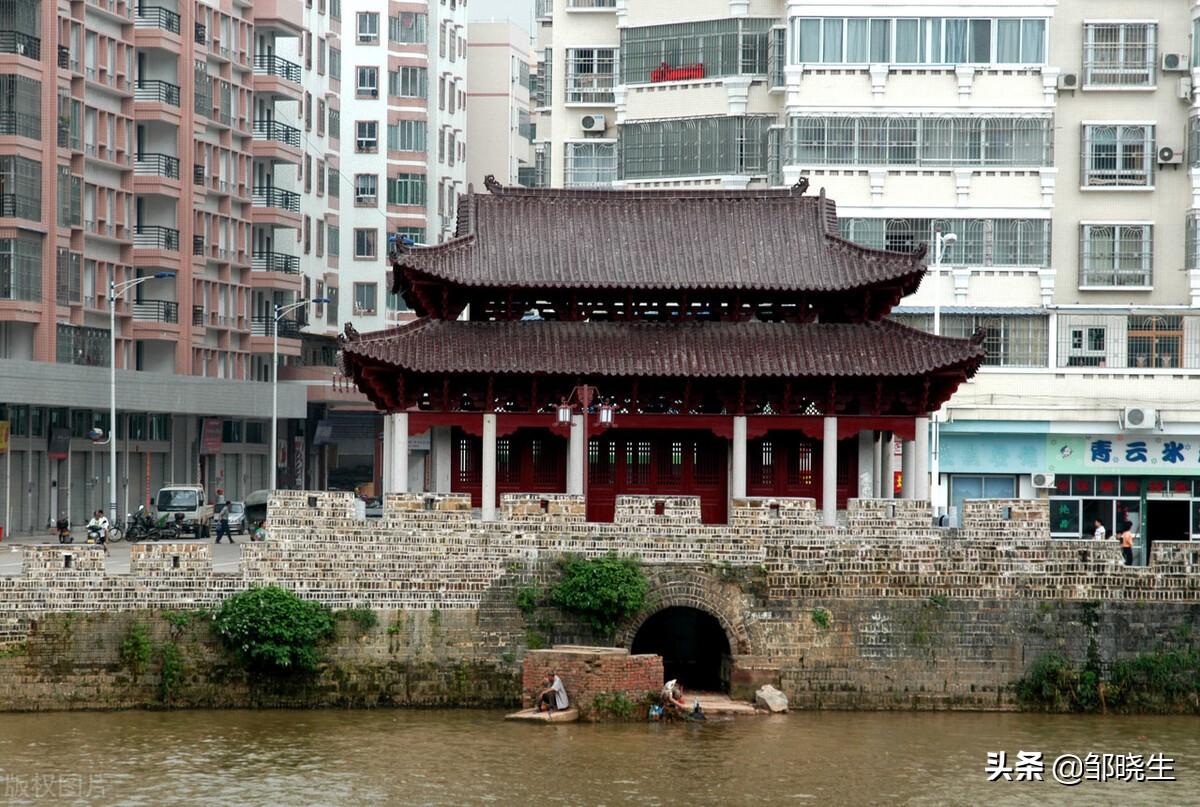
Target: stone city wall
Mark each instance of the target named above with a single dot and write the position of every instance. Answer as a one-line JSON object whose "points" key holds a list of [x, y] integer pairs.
{"points": [[882, 611]]}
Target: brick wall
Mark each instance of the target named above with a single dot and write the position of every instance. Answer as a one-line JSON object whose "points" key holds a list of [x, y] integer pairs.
{"points": [[590, 671]]}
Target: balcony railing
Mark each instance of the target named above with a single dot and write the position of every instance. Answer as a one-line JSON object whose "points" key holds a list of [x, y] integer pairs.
{"points": [[272, 65], [156, 311], [197, 245], [64, 57], [157, 17], [592, 4], [279, 132], [543, 9], [269, 196], [201, 34], [266, 326], [155, 236], [20, 206], [156, 165], [264, 261], [198, 172], [21, 44], [156, 90], [199, 315]]}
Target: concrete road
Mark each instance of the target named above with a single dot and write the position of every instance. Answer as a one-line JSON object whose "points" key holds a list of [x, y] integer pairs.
{"points": [[226, 557]]}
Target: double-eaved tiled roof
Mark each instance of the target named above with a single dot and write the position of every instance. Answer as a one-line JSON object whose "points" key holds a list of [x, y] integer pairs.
{"points": [[665, 349], [762, 240]]}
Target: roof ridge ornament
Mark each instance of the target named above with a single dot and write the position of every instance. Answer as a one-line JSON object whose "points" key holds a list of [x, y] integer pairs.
{"points": [[801, 186], [492, 184], [349, 334], [921, 251]]}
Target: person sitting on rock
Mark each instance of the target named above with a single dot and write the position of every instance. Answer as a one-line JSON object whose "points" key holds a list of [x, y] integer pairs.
{"points": [[672, 697], [554, 694]]}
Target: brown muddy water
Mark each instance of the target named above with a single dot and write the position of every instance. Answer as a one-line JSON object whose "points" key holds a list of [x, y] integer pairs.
{"points": [[442, 757]]}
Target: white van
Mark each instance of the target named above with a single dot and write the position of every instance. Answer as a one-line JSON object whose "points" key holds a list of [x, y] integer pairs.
{"points": [[189, 500]]}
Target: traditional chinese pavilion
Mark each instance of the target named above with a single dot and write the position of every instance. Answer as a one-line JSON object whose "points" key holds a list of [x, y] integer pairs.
{"points": [[737, 343]]}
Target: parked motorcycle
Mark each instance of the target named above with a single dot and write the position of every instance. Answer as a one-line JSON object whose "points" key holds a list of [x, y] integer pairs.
{"points": [[144, 527]]}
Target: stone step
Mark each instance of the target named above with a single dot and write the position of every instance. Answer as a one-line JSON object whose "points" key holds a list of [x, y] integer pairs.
{"points": [[562, 716]]}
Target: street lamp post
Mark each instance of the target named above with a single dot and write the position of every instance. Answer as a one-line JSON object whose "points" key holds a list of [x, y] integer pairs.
{"points": [[115, 290], [280, 311], [940, 244]]}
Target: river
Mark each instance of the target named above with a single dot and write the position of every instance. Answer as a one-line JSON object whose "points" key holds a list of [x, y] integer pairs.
{"points": [[440, 757]]}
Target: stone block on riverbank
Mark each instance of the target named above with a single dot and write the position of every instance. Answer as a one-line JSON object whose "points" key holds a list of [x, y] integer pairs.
{"points": [[558, 716]]}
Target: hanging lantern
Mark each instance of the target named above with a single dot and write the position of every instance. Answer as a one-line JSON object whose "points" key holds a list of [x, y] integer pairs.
{"points": [[605, 412], [563, 414]]}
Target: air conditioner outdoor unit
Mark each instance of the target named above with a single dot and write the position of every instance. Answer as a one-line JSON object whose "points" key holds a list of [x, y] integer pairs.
{"points": [[1183, 89], [1135, 418], [1175, 63], [1169, 156], [1043, 480], [592, 123], [1068, 81]]}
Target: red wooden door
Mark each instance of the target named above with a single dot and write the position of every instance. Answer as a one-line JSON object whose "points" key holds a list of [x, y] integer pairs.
{"points": [[527, 461], [790, 463]]}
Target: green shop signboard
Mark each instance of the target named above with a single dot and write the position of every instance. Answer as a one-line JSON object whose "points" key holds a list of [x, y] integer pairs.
{"points": [[1133, 453]]}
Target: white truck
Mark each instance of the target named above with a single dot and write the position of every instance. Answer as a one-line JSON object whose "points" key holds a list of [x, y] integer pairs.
{"points": [[187, 500]]}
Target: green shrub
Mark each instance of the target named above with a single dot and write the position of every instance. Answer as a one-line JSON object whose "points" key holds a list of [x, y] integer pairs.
{"points": [[527, 599], [135, 650], [601, 591], [271, 629], [365, 618], [535, 640], [170, 671], [612, 705], [1049, 684], [820, 618]]}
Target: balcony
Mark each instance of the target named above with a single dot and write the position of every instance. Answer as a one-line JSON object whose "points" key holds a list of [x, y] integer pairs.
{"points": [[275, 262], [543, 9], [197, 245], [64, 57], [278, 198], [21, 44], [271, 65], [198, 174], [155, 236], [156, 165], [157, 17], [156, 91], [199, 316], [266, 326], [201, 35], [14, 205], [279, 132], [156, 311]]}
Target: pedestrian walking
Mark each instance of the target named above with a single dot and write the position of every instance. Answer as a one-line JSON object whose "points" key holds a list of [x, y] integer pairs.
{"points": [[1126, 538], [223, 523], [1100, 533]]}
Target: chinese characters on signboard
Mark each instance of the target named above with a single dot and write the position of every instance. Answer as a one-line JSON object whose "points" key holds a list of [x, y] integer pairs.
{"points": [[1127, 453]]}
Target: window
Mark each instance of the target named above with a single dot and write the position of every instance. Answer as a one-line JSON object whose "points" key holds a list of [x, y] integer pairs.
{"points": [[1119, 54], [1011, 340], [366, 136], [981, 242], [681, 147], [590, 164], [1155, 341], [320, 177], [364, 243], [335, 247], [590, 75], [21, 189], [408, 82], [321, 56], [920, 141], [21, 267], [335, 64], [542, 94], [368, 27], [694, 50], [406, 189], [364, 298], [963, 486], [395, 302], [408, 27], [406, 135], [320, 117], [83, 346], [1116, 156], [366, 189], [1116, 255], [927, 40], [21, 109], [368, 81]]}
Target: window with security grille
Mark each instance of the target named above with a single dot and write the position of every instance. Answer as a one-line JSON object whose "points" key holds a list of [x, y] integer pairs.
{"points": [[590, 75], [21, 267], [406, 189], [981, 242], [1119, 54], [83, 346], [1011, 340], [1154, 340], [21, 107], [695, 50], [685, 147], [408, 82], [543, 93], [590, 164], [1116, 255], [920, 141], [912, 40], [1118, 156]]}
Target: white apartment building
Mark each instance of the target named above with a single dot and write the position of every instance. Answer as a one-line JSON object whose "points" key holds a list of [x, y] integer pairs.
{"points": [[403, 158], [1055, 139], [498, 76]]}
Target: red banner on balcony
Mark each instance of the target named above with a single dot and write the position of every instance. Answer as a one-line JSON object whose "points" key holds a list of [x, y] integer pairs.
{"points": [[211, 436]]}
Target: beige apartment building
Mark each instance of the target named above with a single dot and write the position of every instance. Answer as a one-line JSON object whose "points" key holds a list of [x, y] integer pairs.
{"points": [[1054, 140], [498, 76]]}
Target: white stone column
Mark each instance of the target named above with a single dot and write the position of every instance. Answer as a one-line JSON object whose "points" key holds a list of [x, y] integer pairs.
{"points": [[907, 469], [576, 457], [440, 446], [877, 463], [737, 486], [866, 450], [387, 480], [400, 455], [488, 504], [887, 463], [829, 445], [921, 459]]}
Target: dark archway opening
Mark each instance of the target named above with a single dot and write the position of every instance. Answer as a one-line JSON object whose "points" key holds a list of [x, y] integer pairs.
{"points": [[693, 646]]}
